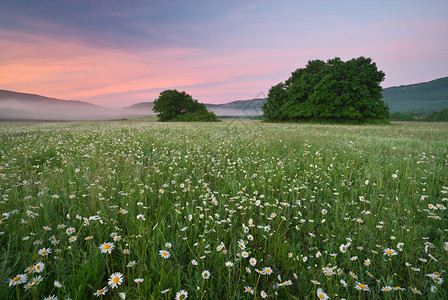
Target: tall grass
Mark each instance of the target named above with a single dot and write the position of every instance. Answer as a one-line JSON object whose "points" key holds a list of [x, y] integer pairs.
{"points": [[240, 209]]}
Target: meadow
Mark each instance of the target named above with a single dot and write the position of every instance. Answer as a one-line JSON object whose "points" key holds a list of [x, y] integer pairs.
{"points": [[230, 210]]}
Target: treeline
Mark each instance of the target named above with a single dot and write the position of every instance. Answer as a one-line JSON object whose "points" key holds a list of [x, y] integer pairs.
{"points": [[331, 91], [441, 116]]}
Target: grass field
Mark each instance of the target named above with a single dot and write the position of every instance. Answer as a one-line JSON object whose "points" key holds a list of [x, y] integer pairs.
{"points": [[231, 210]]}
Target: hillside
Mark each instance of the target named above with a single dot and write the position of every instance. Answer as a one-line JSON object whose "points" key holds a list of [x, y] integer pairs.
{"points": [[418, 98], [24, 106]]}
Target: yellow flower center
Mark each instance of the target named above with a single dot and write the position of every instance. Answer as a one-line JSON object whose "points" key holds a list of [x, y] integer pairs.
{"points": [[321, 296], [44, 252], [115, 280], [100, 291], [362, 286], [17, 278], [164, 254], [389, 252], [107, 246]]}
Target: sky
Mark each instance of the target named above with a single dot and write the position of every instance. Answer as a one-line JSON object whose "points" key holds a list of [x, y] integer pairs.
{"points": [[115, 53]]}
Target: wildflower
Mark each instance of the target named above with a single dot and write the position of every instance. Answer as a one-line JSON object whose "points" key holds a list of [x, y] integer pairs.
{"points": [[138, 280], [394, 175], [101, 292], [321, 294], [18, 279], [416, 291], [168, 245], [182, 294], [72, 239], [44, 251], [390, 252], [194, 262], [88, 238], [343, 248], [367, 262], [206, 274], [229, 264], [267, 271], [343, 283], [253, 261], [387, 288], [126, 251], [70, 230], [115, 280], [165, 254], [249, 289], [52, 297], [353, 275], [263, 294], [107, 247], [328, 271], [245, 254], [131, 264], [361, 287], [57, 284], [315, 282], [39, 267], [122, 295]]}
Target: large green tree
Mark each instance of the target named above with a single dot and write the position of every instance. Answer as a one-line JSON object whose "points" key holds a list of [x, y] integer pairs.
{"points": [[173, 105], [334, 90]]}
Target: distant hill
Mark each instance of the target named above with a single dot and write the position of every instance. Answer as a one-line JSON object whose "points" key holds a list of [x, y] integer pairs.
{"points": [[423, 97], [417, 98], [24, 106]]}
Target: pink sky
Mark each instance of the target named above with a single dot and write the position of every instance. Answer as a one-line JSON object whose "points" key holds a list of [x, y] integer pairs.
{"points": [[119, 55]]}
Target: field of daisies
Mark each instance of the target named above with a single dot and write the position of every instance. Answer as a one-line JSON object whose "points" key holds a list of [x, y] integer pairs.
{"points": [[232, 210]]}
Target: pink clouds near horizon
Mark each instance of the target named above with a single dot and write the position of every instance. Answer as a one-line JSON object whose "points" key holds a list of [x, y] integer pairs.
{"points": [[216, 52]]}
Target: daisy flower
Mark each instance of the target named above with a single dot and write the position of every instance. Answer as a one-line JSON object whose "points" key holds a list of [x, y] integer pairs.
{"points": [[115, 280], [206, 274], [253, 261], [267, 271], [367, 262], [57, 284], [263, 294], [70, 230], [138, 280], [315, 282], [18, 279], [168, 245], [52, 297], [194, 262], [101, 292], [182, 294], [36, 280], [165, 254], [72, 239], [107, 247], [44, 251], [387, 288], [229, 264], [416, 291], [249, 289], [131, 264], [361, 287], [390, 252], [321, 294]]}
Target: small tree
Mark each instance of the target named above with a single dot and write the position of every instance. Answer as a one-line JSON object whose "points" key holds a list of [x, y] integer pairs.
{"points": [[181, 107]]}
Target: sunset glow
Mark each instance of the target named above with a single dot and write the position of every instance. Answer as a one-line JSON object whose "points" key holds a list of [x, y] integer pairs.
{"points": [[115, 53]]}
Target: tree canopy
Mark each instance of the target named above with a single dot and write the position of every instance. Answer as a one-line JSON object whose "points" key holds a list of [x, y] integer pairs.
{"points": [[334, 90], [176, 106]]}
